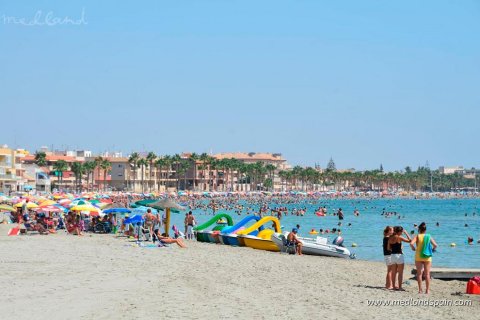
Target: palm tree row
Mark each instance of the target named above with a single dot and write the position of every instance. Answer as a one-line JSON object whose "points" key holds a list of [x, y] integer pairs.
{"points": [[81, 170], [205, 173], [423, 179], [197, 172]]}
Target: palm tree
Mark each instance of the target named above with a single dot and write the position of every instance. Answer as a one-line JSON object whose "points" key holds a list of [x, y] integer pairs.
{"points": [[106, 166], [205, 158], [98, 161], [78, 170], [40, 158], [271, 170], [225, 164], [60, 167], [243, 169], [142, 163], [151, 156], [89, 167], [213, 167], [184, 166], [176, 161], [133, 161], [193, 158], [296, 172], [159, 164]]}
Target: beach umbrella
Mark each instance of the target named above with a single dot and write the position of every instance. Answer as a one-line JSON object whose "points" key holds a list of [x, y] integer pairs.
{"points": [[5, 207], [50, 208], [5, 199], [143, 210], [65, 202], [145, 202], [117, 210], [134, 219], [85, 208], [79, 202], [167, 205], [30, 205], [115, 205], [47, 203]]}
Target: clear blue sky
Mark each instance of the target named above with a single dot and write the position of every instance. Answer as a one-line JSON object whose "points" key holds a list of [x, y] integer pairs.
{"points": [[366, 82]]}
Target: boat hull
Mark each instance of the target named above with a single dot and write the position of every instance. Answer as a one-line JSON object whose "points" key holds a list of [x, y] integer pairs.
{"points": [[259, 243], [310, 247], [232, 240]]}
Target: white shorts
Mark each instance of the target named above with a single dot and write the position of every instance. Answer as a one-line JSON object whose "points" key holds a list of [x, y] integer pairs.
{"points": [[397, 258], [388, 260], [189, 230]]}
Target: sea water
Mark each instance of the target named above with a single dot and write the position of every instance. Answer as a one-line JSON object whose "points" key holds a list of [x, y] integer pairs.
{"points": [[366, 230]]}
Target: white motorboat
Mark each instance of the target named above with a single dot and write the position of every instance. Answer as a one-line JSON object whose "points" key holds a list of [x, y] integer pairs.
{"points": [[314, 246]]}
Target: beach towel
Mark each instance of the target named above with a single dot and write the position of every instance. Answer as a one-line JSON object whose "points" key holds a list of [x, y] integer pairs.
{"points": [[427, 250]]}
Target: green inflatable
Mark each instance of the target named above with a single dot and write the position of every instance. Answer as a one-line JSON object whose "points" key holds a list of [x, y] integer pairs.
{"points": [[202, 235]]}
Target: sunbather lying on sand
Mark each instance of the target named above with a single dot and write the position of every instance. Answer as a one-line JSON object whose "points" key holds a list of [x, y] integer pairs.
{"points": [[168, 240]]}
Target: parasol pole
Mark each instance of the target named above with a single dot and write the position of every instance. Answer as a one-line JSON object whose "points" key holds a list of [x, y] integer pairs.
{"points": [[167, 221]]}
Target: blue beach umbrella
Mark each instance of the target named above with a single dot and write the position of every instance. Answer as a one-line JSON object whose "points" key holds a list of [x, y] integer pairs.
{"points": [[134, 219], [117, 210], [142, 210]]}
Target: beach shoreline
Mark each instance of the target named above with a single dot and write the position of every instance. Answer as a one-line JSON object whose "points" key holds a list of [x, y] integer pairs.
{"points": [[104, 277]]}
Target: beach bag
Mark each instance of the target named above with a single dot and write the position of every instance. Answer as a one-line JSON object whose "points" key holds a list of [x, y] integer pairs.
{"points": [[14, 231], [427, 250], [473, 286]]}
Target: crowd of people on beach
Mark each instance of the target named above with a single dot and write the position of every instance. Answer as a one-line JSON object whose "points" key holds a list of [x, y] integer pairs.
{"points": [[149, 229]]}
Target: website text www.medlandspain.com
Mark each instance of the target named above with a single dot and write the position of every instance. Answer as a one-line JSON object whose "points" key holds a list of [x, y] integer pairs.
{"points": [[419, 303]]}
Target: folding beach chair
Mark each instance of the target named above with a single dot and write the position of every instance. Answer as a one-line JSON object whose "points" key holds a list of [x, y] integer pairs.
{"points": [[288, 246]]}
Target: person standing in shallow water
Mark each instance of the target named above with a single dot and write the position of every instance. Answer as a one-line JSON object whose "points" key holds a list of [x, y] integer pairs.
{"points": [[340, 214], [423, 263], [190, 224]]}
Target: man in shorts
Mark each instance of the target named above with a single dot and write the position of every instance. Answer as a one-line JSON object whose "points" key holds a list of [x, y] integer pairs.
{"points": [[190, 223]]}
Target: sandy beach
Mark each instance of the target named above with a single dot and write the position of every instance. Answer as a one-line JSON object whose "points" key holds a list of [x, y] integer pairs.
{"points": [[104, 277]]}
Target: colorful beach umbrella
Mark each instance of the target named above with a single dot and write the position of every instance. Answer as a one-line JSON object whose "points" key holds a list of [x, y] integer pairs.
{"points": [[30, 205], [5, 207], [87, 209], [47, 203], [84, 207], [50, 208], [79, 202]]}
